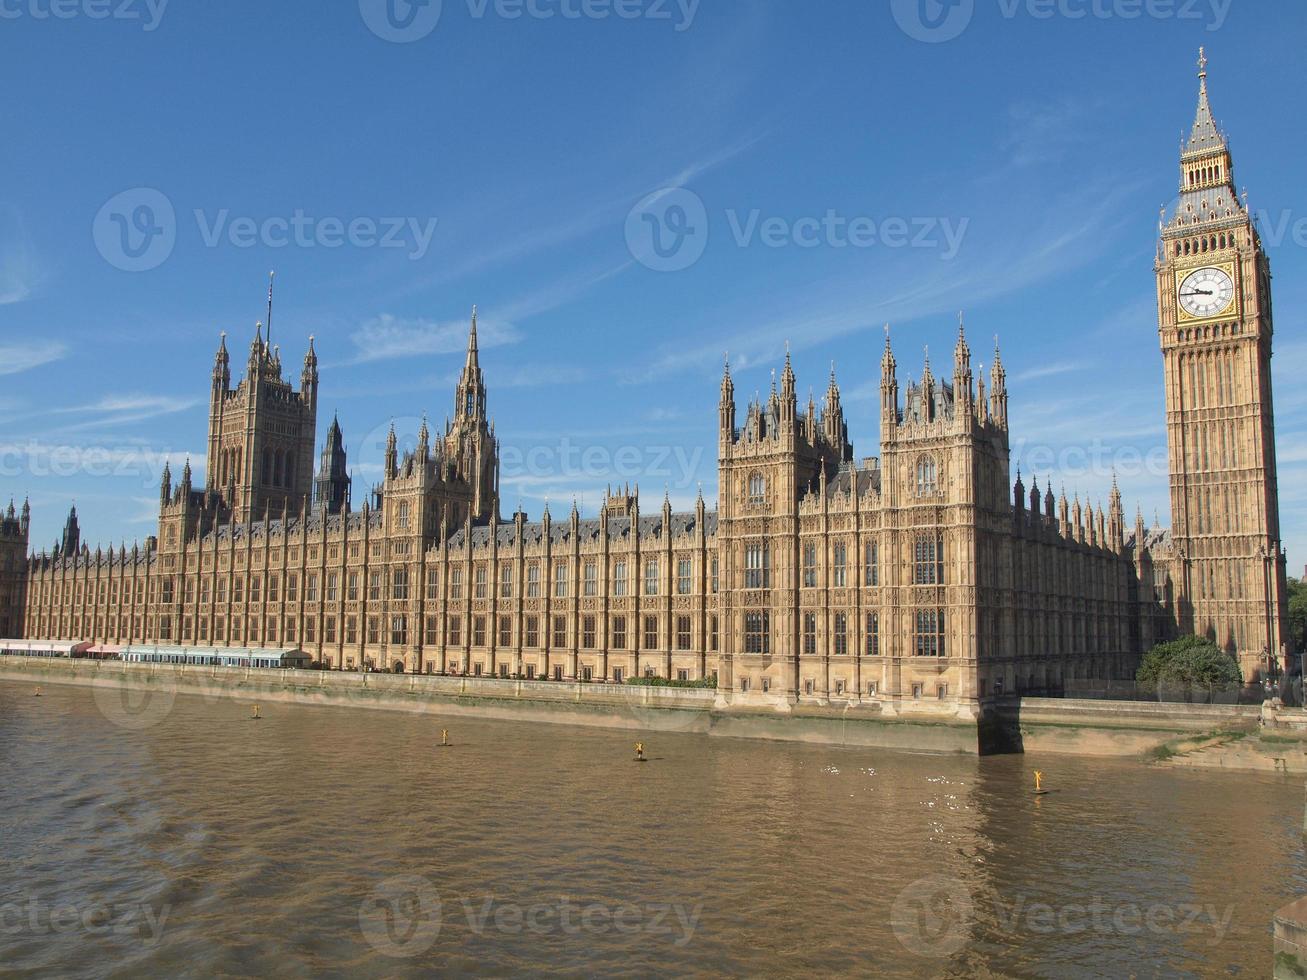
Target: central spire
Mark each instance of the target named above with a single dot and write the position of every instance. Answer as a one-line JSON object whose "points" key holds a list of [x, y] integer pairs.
{"points": [[1206, 136]]}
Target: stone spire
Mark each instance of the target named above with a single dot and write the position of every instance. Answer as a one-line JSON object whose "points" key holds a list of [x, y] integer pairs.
{"points": [[726, 407], [1205, 136]]}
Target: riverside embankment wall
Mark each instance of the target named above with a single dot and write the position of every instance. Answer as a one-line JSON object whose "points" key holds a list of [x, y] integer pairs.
{"points": [[1217, 736]]}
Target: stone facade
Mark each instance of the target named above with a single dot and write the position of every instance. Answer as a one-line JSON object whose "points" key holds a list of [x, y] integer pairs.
{"points": [[922, 577]]}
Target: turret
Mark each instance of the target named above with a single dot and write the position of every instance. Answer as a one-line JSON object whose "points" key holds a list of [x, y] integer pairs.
{"points": [[726, 406], [25, 521], [789, 400], [998, 389], [165, 486], [889, 390], [309, 376], [392, 454], [222, 365], [962, 373]]}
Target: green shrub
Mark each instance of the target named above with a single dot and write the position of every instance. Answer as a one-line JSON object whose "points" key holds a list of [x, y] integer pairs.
{"points": [[707, 682], [1187, 664]]}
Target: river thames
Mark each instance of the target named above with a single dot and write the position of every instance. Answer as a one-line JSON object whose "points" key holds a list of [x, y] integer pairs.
{"points": [[333, 841]]}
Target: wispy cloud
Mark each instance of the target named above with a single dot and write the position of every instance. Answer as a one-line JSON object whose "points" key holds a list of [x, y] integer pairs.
{"points": [[387, 337], [16, 358], [19, 271], [1049, 370]]}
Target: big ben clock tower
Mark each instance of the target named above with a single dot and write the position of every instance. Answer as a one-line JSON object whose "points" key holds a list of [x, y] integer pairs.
{"points": [[1214, 315]]}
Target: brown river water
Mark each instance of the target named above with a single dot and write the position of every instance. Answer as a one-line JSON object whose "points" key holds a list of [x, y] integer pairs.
{"points": [[324, 841]]}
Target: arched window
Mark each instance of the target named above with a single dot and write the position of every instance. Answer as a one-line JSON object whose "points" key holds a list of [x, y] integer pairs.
{"points": [[927, 476], [757, 489], [928, 559]]}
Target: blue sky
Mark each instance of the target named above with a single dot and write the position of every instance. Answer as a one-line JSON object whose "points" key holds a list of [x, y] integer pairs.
{"points": [[849, 173]]}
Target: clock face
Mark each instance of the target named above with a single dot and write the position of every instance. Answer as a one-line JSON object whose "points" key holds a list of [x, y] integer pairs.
{"points": [[1207, 292]]}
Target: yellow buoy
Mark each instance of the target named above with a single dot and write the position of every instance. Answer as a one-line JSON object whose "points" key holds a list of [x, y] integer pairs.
{"points": [[1039, 784], [639, 752], [37, 694], [444, 738], [255, 716]]}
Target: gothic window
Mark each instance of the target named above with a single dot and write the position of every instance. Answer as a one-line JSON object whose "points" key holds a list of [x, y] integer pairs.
{"points": [[757, 489], [871, 564], [651, 632], [757, 632], [505, 631], [715, 581], [619, 579], [841, 634], [456, 583], [757, 565], [478, 631], [809, 633], [809, 566], [402, 521], [399, 630], [682, 632], [560, 580], [588, 632], [480, 582], [683, 576], [928, 560], [930, 632], [533, 581], [560, 631], [533, 631], [651, 577], [841, 562], [619, 633], [399, 584], [591, 579], [433, 585], [927, 476], [506, 582], [873, 634]]}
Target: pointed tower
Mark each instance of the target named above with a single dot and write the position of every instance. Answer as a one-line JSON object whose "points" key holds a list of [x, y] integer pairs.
{"points": [[726, 406], [72, 536], [1215, 328], [962, 379], [261, 433], [889, 392], [332, 487]]}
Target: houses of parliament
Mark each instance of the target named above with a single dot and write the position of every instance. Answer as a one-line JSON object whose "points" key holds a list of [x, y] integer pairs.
{"points": [[925, 574]]}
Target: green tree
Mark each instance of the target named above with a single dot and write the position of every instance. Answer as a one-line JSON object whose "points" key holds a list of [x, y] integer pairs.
{"points": [[1186, 665], [1298, 613]]}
